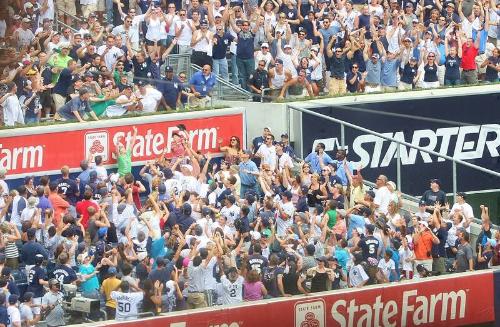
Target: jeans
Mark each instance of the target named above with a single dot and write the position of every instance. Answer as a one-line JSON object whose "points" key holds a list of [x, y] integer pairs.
{"points": [[245, 188], [109, 11], [451, 82], [234, 70], [245, 68], [220, 68]]}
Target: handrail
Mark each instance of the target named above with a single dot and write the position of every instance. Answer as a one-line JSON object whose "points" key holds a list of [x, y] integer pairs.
{"points": [[454, 161], [230, 85], [70, 15], [74, 30]]}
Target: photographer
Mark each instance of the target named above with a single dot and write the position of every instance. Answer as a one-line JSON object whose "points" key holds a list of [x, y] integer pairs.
{"points": [[52, 305]]}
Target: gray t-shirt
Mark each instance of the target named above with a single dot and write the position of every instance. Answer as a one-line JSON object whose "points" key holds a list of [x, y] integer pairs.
{"points": [[464, 254], [55, 317]]}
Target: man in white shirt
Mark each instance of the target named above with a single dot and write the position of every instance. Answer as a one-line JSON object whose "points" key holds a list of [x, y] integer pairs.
{"points": [[462, 207], [267, 152], [184, 29], [13, 312], [284, 160], [110, 53], [231, 212], [149, 97], [232, 287], [12, 111], [126, 302], [285, 213], [382, 195]]}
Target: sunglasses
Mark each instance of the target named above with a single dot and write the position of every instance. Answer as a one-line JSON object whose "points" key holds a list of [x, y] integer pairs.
{"points": [[261, 65], [182, 15], [268, 139], [355, 67]]}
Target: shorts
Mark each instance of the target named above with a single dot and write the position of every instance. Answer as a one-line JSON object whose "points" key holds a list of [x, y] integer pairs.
{"points": [[480, 58], [67, 5], [196, 300], [59, 100], [162, 42], [46, 99], [88, 9]]}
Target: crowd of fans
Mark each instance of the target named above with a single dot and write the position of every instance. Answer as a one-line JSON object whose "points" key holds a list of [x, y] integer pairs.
{"points": [[112, 61], [196, 231]]}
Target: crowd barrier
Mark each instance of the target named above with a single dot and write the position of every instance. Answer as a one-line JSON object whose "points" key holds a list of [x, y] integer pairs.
{"points": [[453, 300], [43, 150]]}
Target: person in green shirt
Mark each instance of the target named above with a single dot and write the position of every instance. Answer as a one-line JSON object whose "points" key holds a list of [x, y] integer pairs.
{"points": [[59, 61], [124, 154], [331, 214]]}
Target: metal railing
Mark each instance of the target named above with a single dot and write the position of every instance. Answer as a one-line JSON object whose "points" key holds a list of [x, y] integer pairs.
{"points": [[58, 23], [400, 143]]}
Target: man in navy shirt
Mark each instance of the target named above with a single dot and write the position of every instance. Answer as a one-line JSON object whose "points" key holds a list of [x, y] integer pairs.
{"points": [[60, 90], [171, 89], [68, 188], [32, 248], [63, 272], [37, 278], [244, 50], [222, 40]]}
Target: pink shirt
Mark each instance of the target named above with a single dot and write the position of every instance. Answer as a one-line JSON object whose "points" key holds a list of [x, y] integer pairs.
{"points": [[252, 291]]}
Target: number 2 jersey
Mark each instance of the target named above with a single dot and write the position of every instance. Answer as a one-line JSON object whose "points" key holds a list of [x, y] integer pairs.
{"points": [[126, 304]]}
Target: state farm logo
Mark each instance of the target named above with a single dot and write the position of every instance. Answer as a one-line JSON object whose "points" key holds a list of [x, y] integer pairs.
{"points": [[310, 314], [96, 143]]}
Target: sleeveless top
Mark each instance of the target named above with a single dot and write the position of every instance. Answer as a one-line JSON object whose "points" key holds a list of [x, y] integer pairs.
{"points": [[278, 80]]}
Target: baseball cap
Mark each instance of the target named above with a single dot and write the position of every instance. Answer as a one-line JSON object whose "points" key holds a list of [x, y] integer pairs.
{"points": [[88, 74], [141, 83], [284, 136], [376, 56], [413, 59], [188, 167], [112, 270], [217, 15], [204, 22], [249, 152], [415, 20], [255, 235], [27, 296], [265, 45], [26, 20], [231, 198], [451, 4], [421, 203], [408, 5], [287, 46], [28, 5], [462, 195], [279, 61], [370, 228]]}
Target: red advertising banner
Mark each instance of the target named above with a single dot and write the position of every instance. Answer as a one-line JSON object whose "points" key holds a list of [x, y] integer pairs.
{"points": [[48, 148], [454, 300]]}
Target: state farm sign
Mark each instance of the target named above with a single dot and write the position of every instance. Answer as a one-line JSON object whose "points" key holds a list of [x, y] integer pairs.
{"points": [[455, 300], [46, 151]]}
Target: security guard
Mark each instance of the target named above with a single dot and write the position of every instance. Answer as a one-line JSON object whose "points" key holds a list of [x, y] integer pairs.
{"points": [[258, 81]]}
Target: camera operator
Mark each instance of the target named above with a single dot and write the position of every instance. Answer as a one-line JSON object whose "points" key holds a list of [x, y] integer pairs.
{"points": [[52, 305]]}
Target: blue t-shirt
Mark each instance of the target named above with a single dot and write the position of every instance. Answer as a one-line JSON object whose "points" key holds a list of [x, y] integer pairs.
{"points": [[355, 221], [389, 72], [244, 49], [202, 84], [4, 317], [91, 284], [74, 105], [342, 256]]}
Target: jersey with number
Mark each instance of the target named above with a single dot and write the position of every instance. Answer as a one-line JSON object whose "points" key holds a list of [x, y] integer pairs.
{"points": [[233, 292], [34, 275], [126, 304], [14, 316], [369, 247], [64, 274]]}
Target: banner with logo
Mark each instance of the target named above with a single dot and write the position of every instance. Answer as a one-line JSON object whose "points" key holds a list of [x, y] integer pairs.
{"points": [[454, 300], [463, 127], [45, 149]]}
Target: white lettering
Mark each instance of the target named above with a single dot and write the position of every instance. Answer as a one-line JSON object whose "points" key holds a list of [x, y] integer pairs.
{"points": [[470, 143], [22, 157], [418, 309], [338, 317]]}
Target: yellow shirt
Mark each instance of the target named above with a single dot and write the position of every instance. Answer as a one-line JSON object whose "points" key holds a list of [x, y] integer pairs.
{"points": [[109, 285], [357, 194]]}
